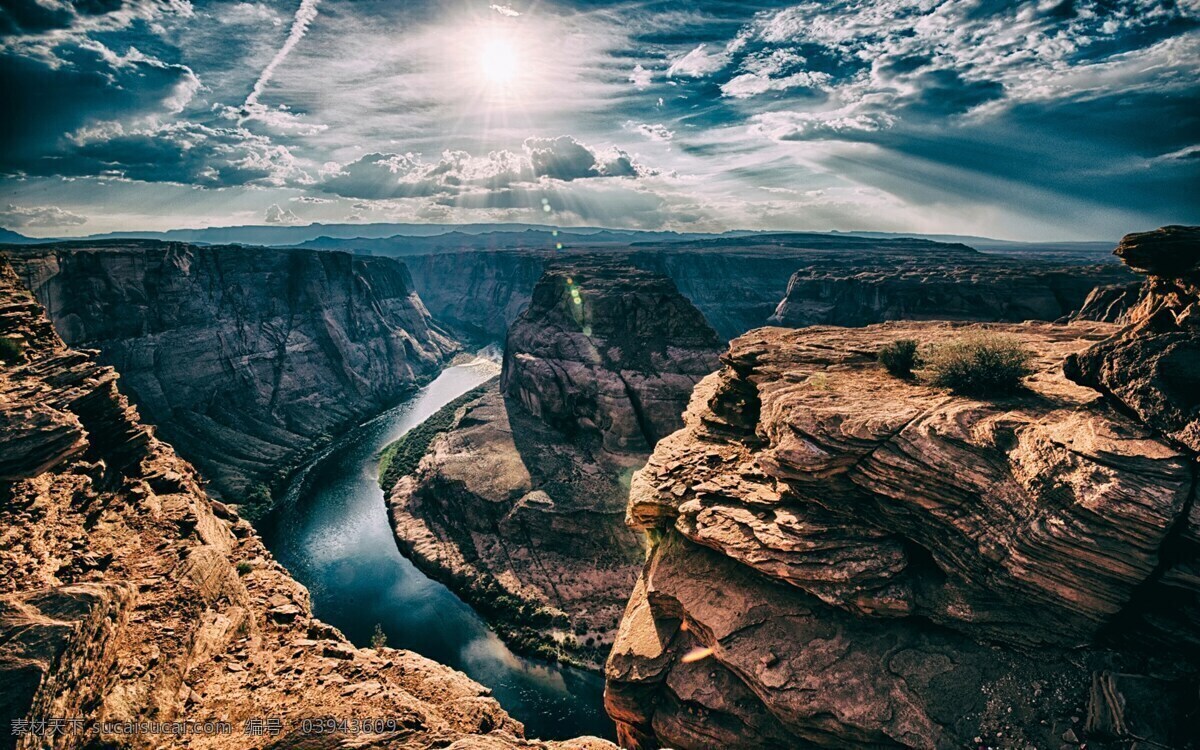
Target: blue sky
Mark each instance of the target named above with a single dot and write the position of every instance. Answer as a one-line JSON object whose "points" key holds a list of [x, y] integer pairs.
{"points": [[1071, 119]]}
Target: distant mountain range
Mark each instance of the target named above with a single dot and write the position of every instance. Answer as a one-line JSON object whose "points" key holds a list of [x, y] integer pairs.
{"points": [[397, 239]]}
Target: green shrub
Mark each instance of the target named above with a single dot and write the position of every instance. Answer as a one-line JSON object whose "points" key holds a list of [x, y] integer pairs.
{"points": [[378, 638], [899, 357], [258, 500], [401, 457], [11, 349], [983, 364], [244, 568]]}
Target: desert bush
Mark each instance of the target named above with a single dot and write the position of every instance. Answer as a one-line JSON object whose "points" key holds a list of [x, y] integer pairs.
{"points": [[378, 637], [984, 364], [899, 357], [244, 568], [11, 349]]}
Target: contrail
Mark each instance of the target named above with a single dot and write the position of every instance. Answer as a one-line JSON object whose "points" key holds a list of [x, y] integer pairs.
{"points": [[304, 16]]}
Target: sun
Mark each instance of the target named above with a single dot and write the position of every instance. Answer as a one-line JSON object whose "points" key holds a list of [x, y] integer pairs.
{"points": [[499, 61]]}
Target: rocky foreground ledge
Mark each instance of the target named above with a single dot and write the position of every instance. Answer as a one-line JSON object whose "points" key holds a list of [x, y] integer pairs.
{"points": [[126, 595], [846, 559]]}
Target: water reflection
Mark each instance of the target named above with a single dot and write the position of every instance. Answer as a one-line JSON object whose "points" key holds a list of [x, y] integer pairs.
{"points": [[332, 533]]}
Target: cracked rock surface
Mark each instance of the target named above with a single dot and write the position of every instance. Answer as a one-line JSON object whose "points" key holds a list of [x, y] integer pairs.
{"points": [[874, 562]]}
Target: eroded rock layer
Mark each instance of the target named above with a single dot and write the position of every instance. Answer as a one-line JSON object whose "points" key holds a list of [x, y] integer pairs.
{"points": [[739, 283], [848, 559], [520, 503], [605, 350], [126, 595], [244, 358]]}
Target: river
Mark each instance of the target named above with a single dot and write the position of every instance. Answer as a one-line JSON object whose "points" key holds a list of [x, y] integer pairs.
{"points": [[331, 531]]}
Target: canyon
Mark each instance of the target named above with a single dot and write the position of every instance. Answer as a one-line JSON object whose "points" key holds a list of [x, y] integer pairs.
{"points": [[245, 360], [128, 595], [843, 558], [519, 502], [788, 516], [741, 283]]}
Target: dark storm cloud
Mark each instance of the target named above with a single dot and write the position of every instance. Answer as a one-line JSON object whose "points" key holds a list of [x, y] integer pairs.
{"points": [[77, 85], [30, 17]]}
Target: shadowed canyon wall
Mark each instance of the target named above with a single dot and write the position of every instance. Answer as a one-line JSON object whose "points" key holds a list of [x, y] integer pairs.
{"points": [[245, 359], [519, 504]]}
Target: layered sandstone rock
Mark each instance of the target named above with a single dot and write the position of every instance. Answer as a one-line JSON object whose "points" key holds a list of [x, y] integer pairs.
{"points": [[126, 595], [607, 351], [519, 504], [1152, 369], [244, 358], [846, 559]]}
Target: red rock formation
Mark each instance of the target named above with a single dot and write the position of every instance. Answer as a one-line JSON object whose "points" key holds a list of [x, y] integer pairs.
{"points": [[864, 561]]}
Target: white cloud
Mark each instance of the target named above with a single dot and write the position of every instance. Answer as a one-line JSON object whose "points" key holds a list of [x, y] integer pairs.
{"points": [[408, 175], [505, 10], [747, 85], [698, 63], [39, 216], [310, 199], [802, 126], [656, 132], [277, 215], [641, 78]]}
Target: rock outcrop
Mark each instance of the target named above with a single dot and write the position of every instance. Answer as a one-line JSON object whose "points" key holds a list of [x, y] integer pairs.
{"points": [[846, 559], [1153, 367], [519, 504], [136, 612], [607, 351], [244, 358]]}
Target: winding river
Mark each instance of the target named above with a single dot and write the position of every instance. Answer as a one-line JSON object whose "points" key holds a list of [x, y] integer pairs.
{"points": [[331, 531]]}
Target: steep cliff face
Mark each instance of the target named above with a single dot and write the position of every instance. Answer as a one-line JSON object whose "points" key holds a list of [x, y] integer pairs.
{"points": [[126, 595], [478, 294], [739, 283], [244, 358], [520, 503], [983, 289], [609, 351], [847, 559]]}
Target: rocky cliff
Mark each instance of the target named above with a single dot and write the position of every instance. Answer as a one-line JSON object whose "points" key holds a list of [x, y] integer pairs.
{"points": [[127, 596], [739, 283], [846, 559], [939, 287], [520, 503], [244, 358], [607, 351]]}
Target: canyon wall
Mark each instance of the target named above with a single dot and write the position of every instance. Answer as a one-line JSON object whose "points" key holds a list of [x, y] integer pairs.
{"points": [[983, 289], [794, 280], [245, 359], [519, 504], [846, 559], [127, 595]]}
